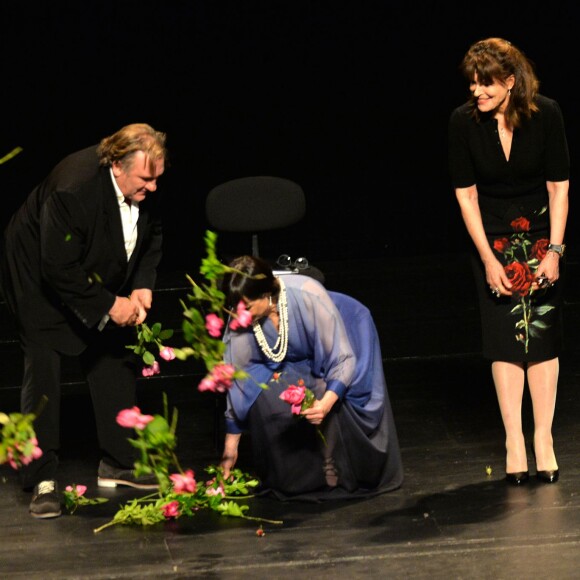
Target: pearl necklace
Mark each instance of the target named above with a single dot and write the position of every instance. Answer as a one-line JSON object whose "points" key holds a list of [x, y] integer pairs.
{"points": [[282, 341]]}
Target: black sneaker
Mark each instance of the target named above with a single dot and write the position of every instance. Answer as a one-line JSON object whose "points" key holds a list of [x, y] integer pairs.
{"points": [[45, 500], [109, 476]]}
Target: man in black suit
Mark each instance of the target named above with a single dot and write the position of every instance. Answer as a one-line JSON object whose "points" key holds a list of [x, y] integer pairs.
{"points": [[78, 270]]}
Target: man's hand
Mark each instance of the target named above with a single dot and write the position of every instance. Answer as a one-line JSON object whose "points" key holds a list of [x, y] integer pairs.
{"points": [[124, 312], [142, 298]]}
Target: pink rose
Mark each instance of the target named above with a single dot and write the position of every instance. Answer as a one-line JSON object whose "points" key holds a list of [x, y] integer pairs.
{"points": [[167, 353], [214, 325], [294, 395], [183, 483], [128, 417], [133, 419], [219, 380], [207, 384], [151, 370], [243, 317], [219, 490], [223, 374], [79, 489], [11, 460], [36, 451]]}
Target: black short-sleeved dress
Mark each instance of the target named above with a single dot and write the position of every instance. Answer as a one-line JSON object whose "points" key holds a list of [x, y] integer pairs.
{"points": [[513, 200]]}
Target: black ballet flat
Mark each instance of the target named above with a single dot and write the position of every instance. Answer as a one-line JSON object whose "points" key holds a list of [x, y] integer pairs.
{"points": [[548, 475], [517, 478]]}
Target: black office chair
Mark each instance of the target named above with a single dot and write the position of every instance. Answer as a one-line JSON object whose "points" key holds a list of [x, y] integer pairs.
{"points": [[260, 204]]}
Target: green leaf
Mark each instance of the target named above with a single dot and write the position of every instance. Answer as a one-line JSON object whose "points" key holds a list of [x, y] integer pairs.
{"points": [[180, 354], [541, 310], [231, 508], [158, 426]]}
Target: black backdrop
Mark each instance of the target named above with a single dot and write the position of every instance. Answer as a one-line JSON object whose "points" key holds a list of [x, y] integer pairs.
{"points": [[350, 99]]}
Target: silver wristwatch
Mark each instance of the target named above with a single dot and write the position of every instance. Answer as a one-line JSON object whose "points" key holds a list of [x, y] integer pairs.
{"points": [[557, 248]]}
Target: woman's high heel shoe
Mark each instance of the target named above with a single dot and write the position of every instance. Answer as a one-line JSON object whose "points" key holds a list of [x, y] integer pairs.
{"points": [[517, 478], [546, 475]]}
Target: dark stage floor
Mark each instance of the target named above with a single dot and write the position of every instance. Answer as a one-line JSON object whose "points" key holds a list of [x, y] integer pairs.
{"points": [[450, 519]]}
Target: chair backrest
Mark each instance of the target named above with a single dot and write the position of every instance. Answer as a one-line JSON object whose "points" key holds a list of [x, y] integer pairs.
{"points": [[255, 204]]}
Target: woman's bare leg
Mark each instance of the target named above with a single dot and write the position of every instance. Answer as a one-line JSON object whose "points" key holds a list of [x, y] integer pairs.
{"points": [[509, 379], [543, 383]]}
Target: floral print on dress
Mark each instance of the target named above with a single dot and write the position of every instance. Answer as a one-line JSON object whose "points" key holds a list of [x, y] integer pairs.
{"points": [[522, 258]]}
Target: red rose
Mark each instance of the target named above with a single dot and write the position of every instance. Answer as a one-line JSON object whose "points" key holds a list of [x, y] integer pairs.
{"points": [[540, 248], [520, 276], [171, 509], [521, 224], [501, 245]]}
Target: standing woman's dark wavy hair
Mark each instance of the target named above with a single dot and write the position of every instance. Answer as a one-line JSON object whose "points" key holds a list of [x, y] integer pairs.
{"points": [[495, 59], [254, 279]]}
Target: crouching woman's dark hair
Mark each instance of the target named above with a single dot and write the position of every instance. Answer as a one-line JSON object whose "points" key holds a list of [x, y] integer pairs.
{"points": [[254, 279]]}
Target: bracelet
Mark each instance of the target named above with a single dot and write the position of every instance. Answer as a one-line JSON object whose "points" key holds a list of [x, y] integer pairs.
{"points": [[557, 249]]}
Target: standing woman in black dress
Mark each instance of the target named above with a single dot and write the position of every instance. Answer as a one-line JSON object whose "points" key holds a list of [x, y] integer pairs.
{"points": [[509, 166]]}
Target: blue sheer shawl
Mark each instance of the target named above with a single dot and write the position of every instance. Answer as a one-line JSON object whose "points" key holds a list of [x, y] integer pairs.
{"points": [[333, 344]]}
